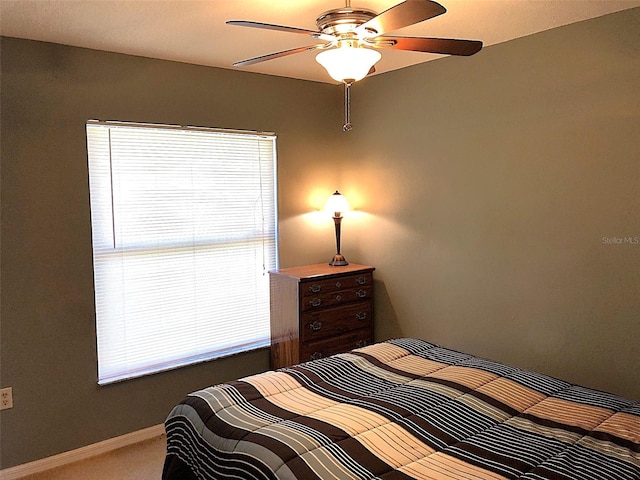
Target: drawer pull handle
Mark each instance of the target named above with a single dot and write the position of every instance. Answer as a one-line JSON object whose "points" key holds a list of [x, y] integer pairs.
{"points": [[361, 315], [361, 280], [361, 343], [315, 326], [315, 302], [361, 293], [338, 298], [315, 356], [338, 284], [315, 288]]}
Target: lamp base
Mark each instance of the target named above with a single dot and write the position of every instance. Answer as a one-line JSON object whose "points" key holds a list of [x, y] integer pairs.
{"points": [[338, 261]]}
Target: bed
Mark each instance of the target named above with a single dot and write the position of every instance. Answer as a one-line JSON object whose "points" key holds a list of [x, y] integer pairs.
{"points": [[403, 409]]}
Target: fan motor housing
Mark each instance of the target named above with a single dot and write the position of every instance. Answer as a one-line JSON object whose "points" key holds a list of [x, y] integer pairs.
{"points": [[343, 20]]}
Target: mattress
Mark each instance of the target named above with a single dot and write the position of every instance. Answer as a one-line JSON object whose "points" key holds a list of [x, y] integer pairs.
{"points": [[403, 409]]}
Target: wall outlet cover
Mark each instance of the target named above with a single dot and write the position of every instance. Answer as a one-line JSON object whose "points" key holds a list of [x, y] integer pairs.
{"points": [[6, 398]]}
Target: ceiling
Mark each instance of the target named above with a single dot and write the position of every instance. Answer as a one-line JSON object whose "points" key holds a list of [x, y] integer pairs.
{"points": [[194, 31]]}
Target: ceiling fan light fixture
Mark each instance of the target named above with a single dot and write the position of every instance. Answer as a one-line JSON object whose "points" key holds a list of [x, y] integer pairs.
{"points": [[348, 64]]}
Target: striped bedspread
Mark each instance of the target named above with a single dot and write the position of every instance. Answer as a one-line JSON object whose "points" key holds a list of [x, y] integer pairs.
{"points": [[398, 410]]}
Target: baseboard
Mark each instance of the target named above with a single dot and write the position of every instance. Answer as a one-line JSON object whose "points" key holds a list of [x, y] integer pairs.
{"points": [[82, 453]]}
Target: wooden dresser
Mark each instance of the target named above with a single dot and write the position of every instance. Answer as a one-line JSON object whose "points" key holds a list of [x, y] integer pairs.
{"points": [[319, 310]]}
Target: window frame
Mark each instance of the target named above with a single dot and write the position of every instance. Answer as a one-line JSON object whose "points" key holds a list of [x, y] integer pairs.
{"points": [[269, 240]]}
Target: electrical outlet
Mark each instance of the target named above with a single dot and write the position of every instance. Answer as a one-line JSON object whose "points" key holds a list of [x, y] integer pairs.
{"points": [[6, 398]]}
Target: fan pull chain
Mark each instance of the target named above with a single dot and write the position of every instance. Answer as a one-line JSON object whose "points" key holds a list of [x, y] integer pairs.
{"points": [[347, 107]]}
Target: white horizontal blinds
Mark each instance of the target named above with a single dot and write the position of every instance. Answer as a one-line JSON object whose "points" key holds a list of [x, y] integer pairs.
{"points": [[184, 232]]}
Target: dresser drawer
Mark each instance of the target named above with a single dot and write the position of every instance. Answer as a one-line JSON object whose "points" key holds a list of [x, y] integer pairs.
{"points": [[320, 287], [335, 298], [331, 346], [335, 321]]}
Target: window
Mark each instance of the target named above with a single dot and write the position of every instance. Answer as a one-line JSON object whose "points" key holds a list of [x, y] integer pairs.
{"points": [[184, 232]]}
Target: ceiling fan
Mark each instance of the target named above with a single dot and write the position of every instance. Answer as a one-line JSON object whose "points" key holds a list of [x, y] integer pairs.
{"points": [[352, 37]]}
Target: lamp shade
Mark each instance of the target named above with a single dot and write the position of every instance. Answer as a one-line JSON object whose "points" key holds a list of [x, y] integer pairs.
{"points": [[336, 204], [348, 64]]}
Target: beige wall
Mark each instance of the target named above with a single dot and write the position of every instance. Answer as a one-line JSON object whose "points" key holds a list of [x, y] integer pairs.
{"points": [[484, 184], [47, 330], [489, 183]]}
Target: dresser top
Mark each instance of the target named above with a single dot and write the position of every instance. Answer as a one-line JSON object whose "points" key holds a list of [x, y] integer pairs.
{"points": [[321, 270]]}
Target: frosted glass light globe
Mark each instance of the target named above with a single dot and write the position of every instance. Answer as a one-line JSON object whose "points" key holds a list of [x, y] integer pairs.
{"points": [[348, 64]]}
